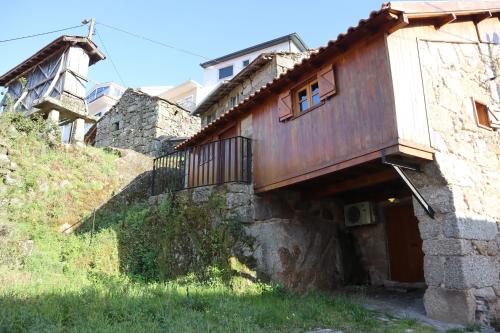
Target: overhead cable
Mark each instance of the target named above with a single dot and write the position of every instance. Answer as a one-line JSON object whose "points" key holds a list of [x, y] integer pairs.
{"points": [[110, 58], [40, 34], [153, 41]]}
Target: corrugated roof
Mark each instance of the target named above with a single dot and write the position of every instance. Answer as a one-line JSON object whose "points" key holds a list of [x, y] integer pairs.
{"points": [[301, 45], [390, 16], [52, 48]]}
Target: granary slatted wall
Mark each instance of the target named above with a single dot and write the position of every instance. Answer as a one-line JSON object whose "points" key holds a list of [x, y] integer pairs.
{"points": [[64, 72]]}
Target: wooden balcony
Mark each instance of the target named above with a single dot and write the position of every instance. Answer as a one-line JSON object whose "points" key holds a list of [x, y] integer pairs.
{"points": [[214, 163]]}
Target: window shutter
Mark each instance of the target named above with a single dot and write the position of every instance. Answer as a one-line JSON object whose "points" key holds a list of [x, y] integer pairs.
{"points": [[494, 116], [326, 80], [285, 109]]}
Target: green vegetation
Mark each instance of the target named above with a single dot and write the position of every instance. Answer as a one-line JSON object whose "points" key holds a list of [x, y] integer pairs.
{"points": [[134, 269]]}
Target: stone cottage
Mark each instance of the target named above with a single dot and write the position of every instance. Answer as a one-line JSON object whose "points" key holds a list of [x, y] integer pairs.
{"points": [[376, 160], [147, 124], [265, 68]]}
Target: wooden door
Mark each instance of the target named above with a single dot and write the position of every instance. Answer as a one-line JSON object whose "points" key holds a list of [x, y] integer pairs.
{"points": [[404, 243]]}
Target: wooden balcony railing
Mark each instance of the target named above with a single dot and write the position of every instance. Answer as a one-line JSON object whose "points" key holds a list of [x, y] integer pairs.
{"points": [[218, 162]]}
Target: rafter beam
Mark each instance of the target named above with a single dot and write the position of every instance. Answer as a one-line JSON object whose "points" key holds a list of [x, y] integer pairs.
{"points": [[366, 180], [483, 16], [402, 21], [443, 20]]}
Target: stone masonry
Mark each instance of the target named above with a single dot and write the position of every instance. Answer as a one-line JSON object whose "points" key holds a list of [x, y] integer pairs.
{"points": [[297, 243], [302, 244], [145, 124], [461, 245], [278, 64]]}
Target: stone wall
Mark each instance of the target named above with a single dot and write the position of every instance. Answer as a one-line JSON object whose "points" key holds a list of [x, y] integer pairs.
{"points": [[461, 244], [279, 64], [144, 123], [74, 104], [301, 243]]}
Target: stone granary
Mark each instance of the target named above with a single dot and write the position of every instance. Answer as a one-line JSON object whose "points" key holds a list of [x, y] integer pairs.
{"points": [[52, 83], [376, 160], [147, 124]]}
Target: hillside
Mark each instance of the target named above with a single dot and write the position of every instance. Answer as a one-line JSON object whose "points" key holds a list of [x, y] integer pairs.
{"points": [[114, 271]]}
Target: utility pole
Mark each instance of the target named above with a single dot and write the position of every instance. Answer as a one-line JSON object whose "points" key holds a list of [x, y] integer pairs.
{"points": [[91, 27]]}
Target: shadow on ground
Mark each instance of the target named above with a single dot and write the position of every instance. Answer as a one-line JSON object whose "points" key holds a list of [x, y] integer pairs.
{"points": [[115, 304]]}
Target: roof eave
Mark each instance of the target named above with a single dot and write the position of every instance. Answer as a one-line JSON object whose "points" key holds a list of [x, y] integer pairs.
{"points": [[223, 88], [49, 50]]}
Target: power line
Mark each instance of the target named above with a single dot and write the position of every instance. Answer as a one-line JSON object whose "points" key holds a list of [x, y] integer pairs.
{"points": [[154, 41], [109, 55], [41, 34]]}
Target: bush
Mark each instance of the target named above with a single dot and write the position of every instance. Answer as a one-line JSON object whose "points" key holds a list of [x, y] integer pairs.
{"points": [[34, 126], [199, 239], [177, 239]]}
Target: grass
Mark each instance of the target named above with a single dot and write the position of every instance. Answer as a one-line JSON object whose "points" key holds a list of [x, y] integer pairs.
{"points": [[59, 186], [78, 283], [110, 304]]}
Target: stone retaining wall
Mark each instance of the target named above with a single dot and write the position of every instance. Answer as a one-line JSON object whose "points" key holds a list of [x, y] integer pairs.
{"points": [[302, 244], [461, 244]]}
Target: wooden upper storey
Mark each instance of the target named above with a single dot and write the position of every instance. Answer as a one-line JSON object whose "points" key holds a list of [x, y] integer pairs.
{"points": [[370, 100]]}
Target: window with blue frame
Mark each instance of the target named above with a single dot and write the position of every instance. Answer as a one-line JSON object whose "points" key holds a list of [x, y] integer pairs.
{"points": [[225, 72]]}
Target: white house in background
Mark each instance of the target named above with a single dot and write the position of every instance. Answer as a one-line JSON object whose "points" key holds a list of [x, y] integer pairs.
{"points": [[187, 94], [154, 90], [226, 67], [102, 97]]}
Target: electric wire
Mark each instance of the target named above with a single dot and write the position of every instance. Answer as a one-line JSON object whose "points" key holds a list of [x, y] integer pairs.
{"points": [[153, 41], [110, 58], [41, 34]]}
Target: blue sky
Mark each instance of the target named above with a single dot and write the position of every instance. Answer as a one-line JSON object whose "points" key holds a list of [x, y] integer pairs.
{"points": [[209, 28]]}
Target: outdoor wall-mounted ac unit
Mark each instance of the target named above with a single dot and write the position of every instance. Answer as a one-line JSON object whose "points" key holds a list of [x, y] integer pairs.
{"points": [[360, 213]]}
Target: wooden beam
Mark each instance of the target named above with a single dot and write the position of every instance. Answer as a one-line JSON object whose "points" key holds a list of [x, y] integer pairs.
{"points": [[394, 149], [483, 16], [402, 21], [443, 20], [366, 180]]}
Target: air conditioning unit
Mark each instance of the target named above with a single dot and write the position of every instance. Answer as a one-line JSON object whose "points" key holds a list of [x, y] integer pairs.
{"points": [[360, 213]]}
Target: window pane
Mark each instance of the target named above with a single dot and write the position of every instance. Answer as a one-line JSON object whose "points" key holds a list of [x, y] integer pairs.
{"points": [[232, 102], [302, 96], [303, 106], [246, 62], [315, 99], [315, 94], [225, 72], [315, 88]]}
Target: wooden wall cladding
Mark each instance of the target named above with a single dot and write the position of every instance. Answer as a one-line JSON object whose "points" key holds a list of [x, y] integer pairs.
{"points": [[358, 120]]}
